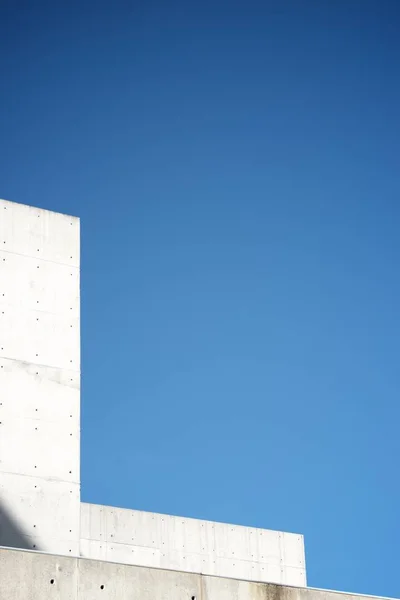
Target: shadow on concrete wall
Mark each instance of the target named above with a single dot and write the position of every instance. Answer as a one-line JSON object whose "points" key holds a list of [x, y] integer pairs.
{"points": [[11, 534]]}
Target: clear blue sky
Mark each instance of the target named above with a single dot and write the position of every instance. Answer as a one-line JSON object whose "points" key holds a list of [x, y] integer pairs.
{"points": [[236, 169]]}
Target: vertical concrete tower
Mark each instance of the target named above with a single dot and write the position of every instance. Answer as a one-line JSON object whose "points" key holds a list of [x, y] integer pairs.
{"points": [[39, 379]]}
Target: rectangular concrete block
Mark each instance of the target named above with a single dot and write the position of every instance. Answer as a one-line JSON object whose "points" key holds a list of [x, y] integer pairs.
{"points": [[44, 393], [40, 379], [93, 549], [40, 430], [191, 545], [43, 234], [122, 527], [30, 288], [44, 512], [134, 583], [35, 576], [31, 336], [292, 552], [40, 448]]}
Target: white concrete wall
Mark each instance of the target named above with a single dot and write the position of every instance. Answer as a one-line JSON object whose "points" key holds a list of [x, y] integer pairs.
{"points": [[40, 430], [38, 576], [39, 379], [156, 540]]}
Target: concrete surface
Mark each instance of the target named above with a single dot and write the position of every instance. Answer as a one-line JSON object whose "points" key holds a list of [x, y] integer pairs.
{"points": [[40, 432], [40, 379], [155, 540], [34, 576]]}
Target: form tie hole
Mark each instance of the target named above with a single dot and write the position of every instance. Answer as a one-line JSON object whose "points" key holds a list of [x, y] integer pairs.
{"points": [[51, 581]]}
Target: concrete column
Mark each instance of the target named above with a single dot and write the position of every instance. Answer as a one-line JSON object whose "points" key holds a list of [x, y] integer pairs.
{"points": [[39, 379]]}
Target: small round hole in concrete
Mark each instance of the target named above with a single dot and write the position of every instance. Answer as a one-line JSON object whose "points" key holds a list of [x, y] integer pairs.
{"points": [[102, 587], [51, 581]]}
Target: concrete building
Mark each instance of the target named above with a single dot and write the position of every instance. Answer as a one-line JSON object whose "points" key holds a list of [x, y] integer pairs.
{"points": [[52, 545]]}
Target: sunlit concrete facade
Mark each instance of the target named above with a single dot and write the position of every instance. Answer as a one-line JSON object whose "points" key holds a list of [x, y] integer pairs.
{"points": [[40, 509]]}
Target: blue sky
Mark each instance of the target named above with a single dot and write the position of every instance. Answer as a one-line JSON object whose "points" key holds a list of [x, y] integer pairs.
{"points": [[236, 169]]}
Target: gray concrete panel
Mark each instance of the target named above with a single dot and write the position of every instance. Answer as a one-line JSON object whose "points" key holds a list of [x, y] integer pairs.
{"points": [[192, 545], [40, 429], [35, 576], [39, 379], [43, 234], [44, 510]]}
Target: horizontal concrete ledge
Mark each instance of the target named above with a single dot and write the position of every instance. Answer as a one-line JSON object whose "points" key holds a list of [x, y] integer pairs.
{"points": [[36, 575], [191, 545]]}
